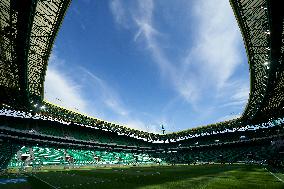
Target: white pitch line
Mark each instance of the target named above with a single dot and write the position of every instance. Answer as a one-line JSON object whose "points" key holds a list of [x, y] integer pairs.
{"points": [[275, 176], [45, 182]]}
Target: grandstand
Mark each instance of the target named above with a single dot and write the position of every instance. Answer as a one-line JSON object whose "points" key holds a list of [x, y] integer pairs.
{"points": [[35, 133]]}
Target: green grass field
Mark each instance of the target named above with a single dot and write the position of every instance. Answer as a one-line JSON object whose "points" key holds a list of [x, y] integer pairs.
{"points": [[196, 177]]}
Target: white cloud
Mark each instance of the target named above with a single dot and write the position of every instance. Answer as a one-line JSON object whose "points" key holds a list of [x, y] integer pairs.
{"points": [[108, 95], [241, 95], [218, 40], [61, 89], [113, 101], [228, 117], [204, 76], [212, 57], [237, 93], [119, 12], [143, 18], [140, 125]]}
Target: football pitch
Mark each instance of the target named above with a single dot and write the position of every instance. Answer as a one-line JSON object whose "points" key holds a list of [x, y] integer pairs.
{"points": [[179, 176]]}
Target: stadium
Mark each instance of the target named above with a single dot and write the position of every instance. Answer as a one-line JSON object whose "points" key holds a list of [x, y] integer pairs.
{"points": [[46, 145]]}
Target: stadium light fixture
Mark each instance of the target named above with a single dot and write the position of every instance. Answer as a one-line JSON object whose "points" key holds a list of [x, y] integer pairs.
{"points": [[263, 7], [267, 32]]}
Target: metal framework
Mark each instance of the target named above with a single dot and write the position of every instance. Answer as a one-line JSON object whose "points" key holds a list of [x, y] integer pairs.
{"points": [[261, 24], [28, 29]]}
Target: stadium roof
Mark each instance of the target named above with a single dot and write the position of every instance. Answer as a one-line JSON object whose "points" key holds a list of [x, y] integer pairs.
{"points": [[261, 24], [29, 28]]}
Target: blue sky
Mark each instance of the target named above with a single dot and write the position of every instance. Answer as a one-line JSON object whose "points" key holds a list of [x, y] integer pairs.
{"points": [[145, 63]]}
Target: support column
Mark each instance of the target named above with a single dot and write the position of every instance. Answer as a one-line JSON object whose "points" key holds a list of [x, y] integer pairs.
{"points": [[7, 151]]}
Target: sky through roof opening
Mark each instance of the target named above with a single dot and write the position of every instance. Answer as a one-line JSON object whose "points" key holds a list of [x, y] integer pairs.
{"points": [[147, 63]]}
